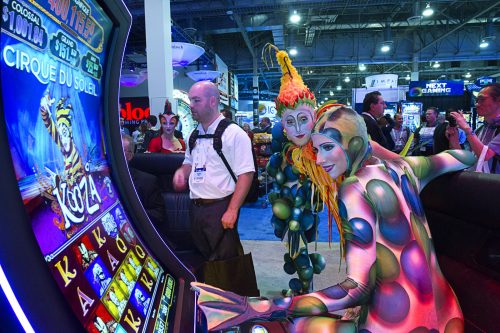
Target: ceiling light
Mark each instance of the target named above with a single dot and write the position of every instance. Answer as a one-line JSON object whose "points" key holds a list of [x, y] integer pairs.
{"points": [[484, 43], [436, 65], [347, 79], [326, 98], [293, 51], [386, 47], [339, 87], [428, 11], [466, 81], [467, 75], [407, 77], [331, 93], [362, 67], [295, 18]]}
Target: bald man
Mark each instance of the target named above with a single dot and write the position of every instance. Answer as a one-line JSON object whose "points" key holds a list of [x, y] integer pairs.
{"points": [[215, 196]]}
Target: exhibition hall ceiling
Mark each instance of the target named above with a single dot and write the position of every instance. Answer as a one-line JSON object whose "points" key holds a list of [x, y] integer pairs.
{"points": [[333, 38]]}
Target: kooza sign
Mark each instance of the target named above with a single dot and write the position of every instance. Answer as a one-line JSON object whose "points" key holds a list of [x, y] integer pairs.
{"points": [[134, 110]]}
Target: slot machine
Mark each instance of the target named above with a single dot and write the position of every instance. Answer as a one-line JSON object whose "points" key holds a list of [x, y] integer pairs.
{"points": [[77, 250]]}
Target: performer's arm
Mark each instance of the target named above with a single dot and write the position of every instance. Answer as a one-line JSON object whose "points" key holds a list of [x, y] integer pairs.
{"points": [[428, 168]]}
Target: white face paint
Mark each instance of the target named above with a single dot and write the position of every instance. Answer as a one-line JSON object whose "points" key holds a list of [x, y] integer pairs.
{"points": [[298, 124], [329, 155]]}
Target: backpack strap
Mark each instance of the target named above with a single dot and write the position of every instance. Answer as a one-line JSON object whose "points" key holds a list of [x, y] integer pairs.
{"points": [[192, 139], [217, 142]]}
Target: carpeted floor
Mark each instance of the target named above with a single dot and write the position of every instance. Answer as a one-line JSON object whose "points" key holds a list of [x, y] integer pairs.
{"points": [[255, 223]]}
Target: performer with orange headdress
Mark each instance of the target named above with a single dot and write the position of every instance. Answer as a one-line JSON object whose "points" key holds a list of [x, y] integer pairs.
{"points": [[302, 185]]}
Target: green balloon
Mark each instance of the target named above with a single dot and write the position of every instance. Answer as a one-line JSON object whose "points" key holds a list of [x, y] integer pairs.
{"points": [[289, 268], [295, 284], [287, 257], [271, 171], [302, 261], [319, 262], [273, 196], [280, 178], [294, 225], [305, 273], [299, 201], [281, 209]]}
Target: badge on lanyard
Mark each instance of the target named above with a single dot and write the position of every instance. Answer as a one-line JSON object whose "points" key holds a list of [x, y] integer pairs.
{"points": [[199, 175]]}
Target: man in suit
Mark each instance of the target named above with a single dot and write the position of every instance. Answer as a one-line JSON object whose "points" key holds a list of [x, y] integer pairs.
{"points": [[146, 186], [373, 109]]}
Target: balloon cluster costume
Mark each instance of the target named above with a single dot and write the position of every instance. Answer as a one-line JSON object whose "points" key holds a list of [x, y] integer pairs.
{"points": [[392, 269], [301, 186]]}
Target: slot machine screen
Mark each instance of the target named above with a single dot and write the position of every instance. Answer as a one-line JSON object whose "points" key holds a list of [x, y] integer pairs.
{"points": [[53, 60]]}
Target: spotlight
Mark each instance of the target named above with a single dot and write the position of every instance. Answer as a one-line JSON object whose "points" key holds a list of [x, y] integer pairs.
{"points": [[484, 43], [407, 77], [326, 98], [428, 11], [385, 47], [293, 51], [331, 93], [362, 67], [347, 79], [467, 75], [295, 18], [339, 87], [436, 65]]}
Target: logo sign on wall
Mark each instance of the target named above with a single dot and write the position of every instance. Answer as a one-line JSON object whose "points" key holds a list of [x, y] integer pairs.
{"points": [[382, 81], [134, 109], [436, 88], [485, 80]]}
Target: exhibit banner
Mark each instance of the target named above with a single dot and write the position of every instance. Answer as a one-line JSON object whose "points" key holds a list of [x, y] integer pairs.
{"points": [[436, 88], [223, 80], [382, 81]]}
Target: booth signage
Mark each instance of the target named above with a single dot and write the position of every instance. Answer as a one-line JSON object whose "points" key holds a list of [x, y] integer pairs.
{"points": [[382, 81], [134, 110], [436, 88], [485, 80]]}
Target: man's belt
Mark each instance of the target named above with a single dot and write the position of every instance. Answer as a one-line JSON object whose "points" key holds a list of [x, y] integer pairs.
{"points": [[204, 202]]}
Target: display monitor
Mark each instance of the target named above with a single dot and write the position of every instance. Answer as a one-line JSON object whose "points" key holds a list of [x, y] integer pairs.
{"points": [[54, 62], [412, 112]]}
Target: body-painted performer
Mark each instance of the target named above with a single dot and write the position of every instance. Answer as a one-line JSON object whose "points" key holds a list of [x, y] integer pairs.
{"points": [[296, 200], [392, 269]]}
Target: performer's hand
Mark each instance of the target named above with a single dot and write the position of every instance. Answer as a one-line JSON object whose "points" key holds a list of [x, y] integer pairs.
{"points": [[225, 309], [228, 220]]}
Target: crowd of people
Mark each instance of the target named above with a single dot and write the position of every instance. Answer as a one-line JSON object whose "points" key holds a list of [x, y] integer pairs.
{"points": [[439, 131]]}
